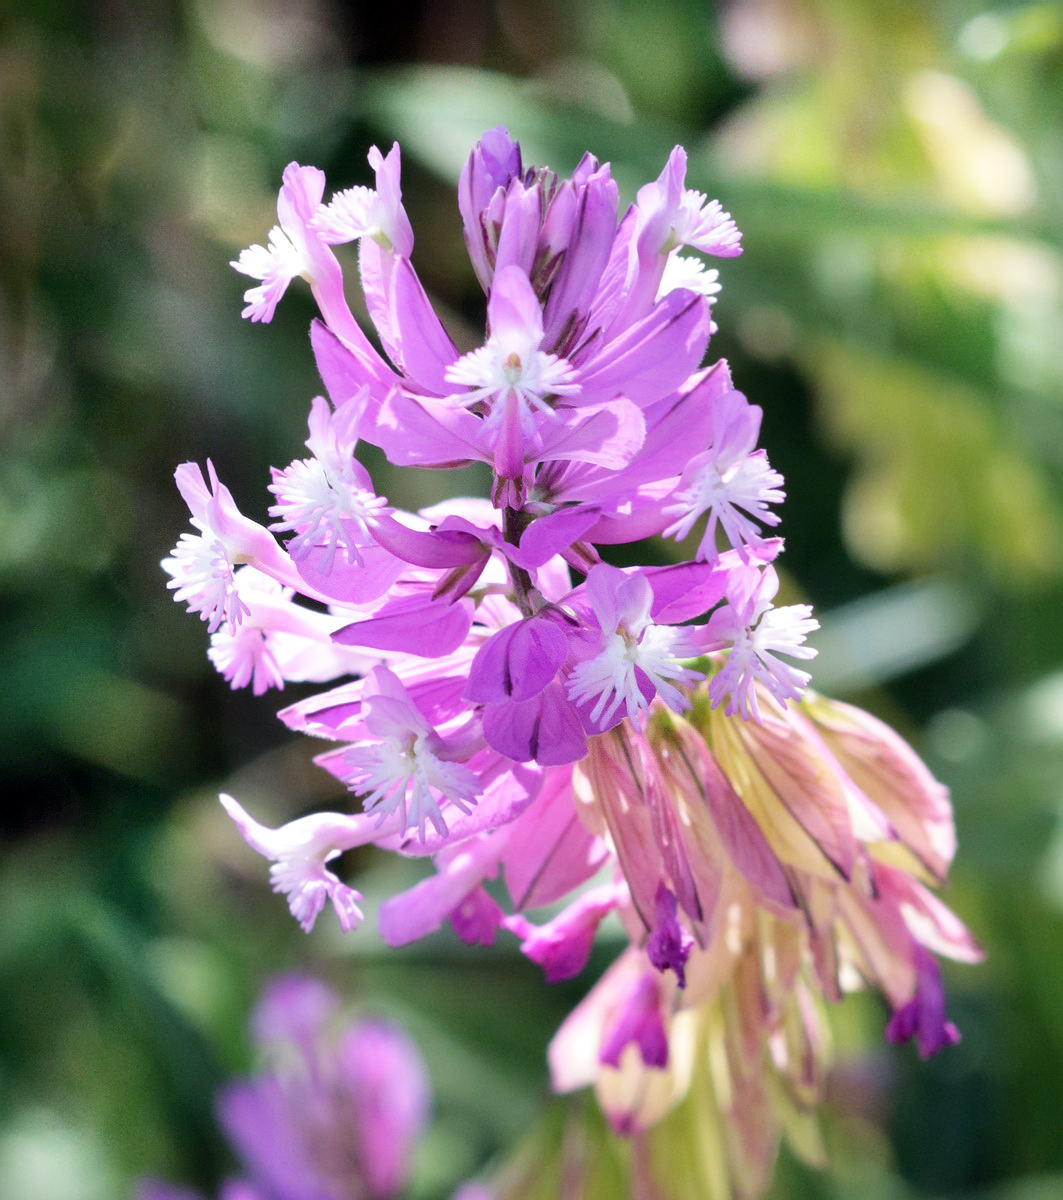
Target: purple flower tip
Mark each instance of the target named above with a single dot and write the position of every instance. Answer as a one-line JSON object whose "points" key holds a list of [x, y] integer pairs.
{"points": [[669, 945], [923, 1017]]}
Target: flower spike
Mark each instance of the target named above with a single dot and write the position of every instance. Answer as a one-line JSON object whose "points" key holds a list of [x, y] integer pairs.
{"points": [[634, 745]]}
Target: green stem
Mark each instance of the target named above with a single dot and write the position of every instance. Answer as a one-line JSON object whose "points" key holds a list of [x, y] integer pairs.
{"points": [[514, 523]]}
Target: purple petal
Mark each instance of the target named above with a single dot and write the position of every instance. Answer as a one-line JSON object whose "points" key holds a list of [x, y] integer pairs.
{"points": [[513, 311], [422, 909], [436, 548], [476, 919], [685, 590], [553, 534], [301, 191], [585, 259], [690, 589], [346, 369], [240, 1189], [387, 1083], [427, 350], [510, 441], [546, 729], [292, 1008], [257, 1117], [609, 435], [432, 434], [494, 162], [414, 625], [517, 662], [412, 333], [669, 945], [640, 1022], [518, 237], [323, 714], [678, 428], [924, 1017], [601, 590], [563, 946], [639, 517], [654, 356]]}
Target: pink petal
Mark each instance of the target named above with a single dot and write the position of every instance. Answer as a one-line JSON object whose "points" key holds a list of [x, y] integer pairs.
{"points": [[414, 625], [476, 918], [387, 1084], [346, 582], [690, 589], [639, 1021], [518, 239], [493, 163], [513, 311], [787, 759], [563, 945], [745, 844], [550, 851], [345, 369], [412, 333], [669, 945], [685, 590], [427, 434], [422, 909], [679, 427], [608, 436], [585, 259], [654, 356]]}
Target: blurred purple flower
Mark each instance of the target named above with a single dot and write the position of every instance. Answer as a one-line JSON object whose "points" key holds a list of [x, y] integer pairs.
{"points": [[335, 1115]]}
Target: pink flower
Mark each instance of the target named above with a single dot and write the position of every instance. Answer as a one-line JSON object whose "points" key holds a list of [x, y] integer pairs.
{"points": [[757, 633], [730, 481], [364, 212], [202, 566], [634, 658], [407, 771], [299, 851], [511, 367], [291, 249], [328, 500], [329, 1111]]}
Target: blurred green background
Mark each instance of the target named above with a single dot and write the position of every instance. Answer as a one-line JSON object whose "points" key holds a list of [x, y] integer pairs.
{"points": [[897, 170]]}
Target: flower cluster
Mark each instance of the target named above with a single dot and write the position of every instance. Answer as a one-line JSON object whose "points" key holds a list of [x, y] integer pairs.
{"points": [[507, 701], [337, 1113]]}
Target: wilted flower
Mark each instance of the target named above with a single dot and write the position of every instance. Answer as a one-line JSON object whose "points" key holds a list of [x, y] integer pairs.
{"points": [[785, 872]]}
